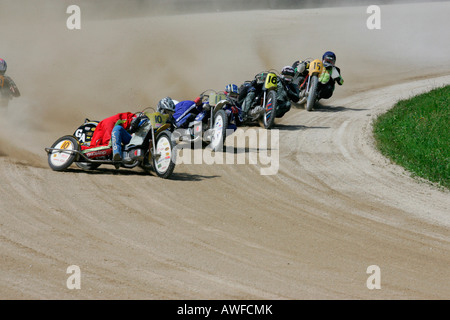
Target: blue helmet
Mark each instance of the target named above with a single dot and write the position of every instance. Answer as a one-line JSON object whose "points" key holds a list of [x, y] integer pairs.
{"points": [[328, 59], [3, 66]]}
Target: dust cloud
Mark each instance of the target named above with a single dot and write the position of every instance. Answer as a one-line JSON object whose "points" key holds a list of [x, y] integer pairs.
{"points": [[128, 57]]}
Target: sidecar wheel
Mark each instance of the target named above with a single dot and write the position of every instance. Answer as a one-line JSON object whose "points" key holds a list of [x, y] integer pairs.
{"points": [[60, 160]]}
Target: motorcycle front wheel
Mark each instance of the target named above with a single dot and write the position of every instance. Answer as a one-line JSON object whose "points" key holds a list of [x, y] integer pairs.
{"points": [[219, 130], [312, 93], [270, 109], [164, 159]]}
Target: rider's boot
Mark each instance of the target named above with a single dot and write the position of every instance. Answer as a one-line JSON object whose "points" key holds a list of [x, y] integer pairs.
{"points": [[246, 104], [117, 159], [244, 115]]}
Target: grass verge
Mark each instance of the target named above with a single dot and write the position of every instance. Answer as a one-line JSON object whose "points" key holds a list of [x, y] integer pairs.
{"points": [[415, 134]]}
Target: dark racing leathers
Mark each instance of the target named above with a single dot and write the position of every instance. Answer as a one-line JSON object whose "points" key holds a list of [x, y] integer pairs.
{"points": [[248, 92], [327, 82], [8, 90], [286, 92]]}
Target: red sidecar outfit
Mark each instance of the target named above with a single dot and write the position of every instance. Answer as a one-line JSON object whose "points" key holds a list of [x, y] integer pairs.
{"points": [[102, 134]]}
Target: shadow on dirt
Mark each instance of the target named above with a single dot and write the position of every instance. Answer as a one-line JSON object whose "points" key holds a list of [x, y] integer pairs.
{"points": [[177, 176], [110, 171], [295, 127], [325, 108], [239, 150], [183, 176]]}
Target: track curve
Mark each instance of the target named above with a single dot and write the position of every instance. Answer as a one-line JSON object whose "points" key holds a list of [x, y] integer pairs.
{"points": [[224, 231]]}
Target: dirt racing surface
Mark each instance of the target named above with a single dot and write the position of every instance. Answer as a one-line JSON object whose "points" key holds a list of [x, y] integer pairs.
{"points": [[328, 208]]}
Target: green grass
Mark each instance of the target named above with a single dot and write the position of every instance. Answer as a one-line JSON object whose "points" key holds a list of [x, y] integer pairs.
{"points": [[415, 134]]}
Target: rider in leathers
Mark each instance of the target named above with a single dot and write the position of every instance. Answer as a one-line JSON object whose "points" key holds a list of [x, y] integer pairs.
{"points": [[249, 92], [186, 111], [326, 80], [286, 91], [8, 88]]}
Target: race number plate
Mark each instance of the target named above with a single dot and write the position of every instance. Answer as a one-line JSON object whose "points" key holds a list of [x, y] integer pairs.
{"points": [[157, 119], [271, 81], [315, 67], [214, 98]]}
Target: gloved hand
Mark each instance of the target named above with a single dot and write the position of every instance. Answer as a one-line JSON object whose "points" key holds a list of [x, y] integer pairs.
{"points": [[206, 107], [137, 122], [119, 122], [171, 120], [198, 101]]}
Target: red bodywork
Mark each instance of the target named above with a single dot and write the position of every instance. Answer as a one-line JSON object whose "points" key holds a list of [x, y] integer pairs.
{"points": [[102, 134]]}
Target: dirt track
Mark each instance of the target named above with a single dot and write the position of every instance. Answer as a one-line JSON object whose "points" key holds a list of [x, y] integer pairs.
{"points": [[335, 206]]}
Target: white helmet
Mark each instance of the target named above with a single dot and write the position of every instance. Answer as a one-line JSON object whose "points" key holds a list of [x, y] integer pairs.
{"points": [[166, 104]]}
